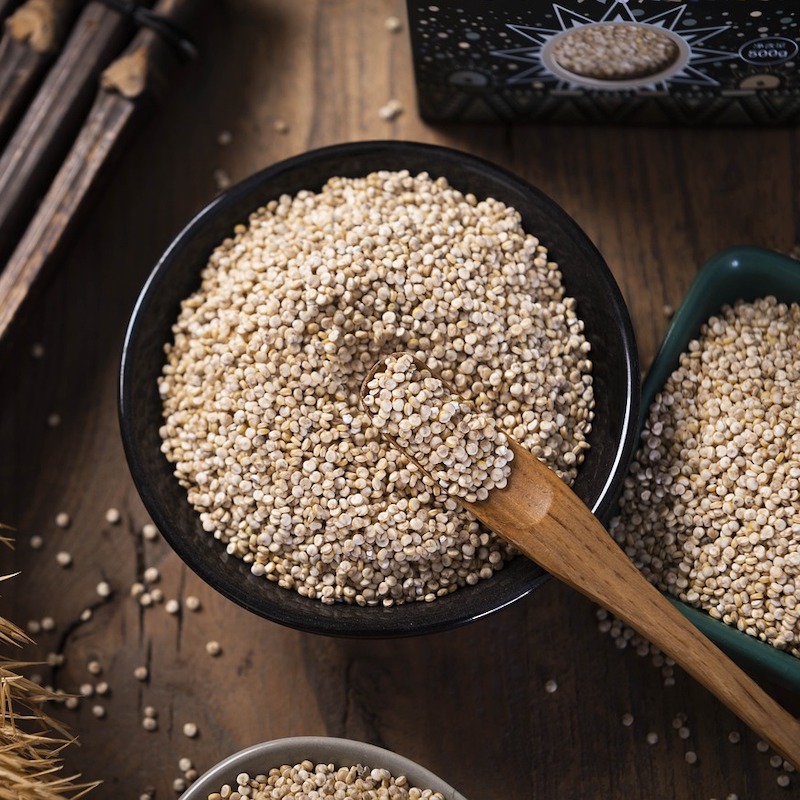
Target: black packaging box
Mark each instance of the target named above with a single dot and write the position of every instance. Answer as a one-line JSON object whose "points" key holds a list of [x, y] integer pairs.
{"points": [[701, 62]]}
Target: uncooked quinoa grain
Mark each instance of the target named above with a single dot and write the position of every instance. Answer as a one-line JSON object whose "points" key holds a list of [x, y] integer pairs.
{"points": [[151, 575], [709, 508], [192, 603], [260, 387], [149, 532], [461, 448], [325, 782]]}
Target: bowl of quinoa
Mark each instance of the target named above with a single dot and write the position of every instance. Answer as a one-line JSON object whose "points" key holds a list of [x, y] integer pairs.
{"points": [[339, 769], [709, 510], [245, 353]]}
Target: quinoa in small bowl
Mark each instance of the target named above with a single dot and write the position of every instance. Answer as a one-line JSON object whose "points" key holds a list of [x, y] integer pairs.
{"points": [[241, 371], [709, 509], [334, 767]]}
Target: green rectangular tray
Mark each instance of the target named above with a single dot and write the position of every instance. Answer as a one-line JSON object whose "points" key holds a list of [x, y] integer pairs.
{"points": [[738, 273]]}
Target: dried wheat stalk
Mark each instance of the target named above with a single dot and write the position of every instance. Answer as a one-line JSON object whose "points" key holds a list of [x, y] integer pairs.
{"points": [[30, 740]]}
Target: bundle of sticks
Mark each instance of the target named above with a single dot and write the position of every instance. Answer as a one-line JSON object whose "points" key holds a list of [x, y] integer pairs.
{"points": [[76, 80]]}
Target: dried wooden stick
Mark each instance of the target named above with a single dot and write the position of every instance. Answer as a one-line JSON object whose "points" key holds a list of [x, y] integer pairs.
{"points": [[129, 88], [31, 39], [6, 7], [50, 125]]}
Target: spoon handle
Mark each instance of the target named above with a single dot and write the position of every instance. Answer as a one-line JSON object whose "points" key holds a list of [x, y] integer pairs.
{"points": [[549, 523]]}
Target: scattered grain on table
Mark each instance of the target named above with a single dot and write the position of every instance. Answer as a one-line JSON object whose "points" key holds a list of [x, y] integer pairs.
{"points": [[390, 110], [151, 575], [222, 180], [149, 532], [192, 603]]}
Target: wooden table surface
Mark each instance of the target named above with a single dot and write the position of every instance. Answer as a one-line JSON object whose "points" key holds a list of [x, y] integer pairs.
{"points": [[470, 704]]}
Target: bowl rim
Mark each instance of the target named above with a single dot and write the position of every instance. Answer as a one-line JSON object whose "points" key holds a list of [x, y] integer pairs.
{"points": [[441, 158], [320, 749], [760, 271]]}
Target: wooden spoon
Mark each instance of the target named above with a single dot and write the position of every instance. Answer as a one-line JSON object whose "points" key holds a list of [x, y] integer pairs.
{"points": [[544, 519]]}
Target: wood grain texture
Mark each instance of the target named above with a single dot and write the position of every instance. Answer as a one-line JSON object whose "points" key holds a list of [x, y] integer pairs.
{"points": [[129, 89], [46, 131], [470, 704]]}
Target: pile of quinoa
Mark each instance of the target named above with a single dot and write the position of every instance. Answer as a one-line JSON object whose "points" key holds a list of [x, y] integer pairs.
{"points": [[260, 389], [710, 510], [460, 448], [307, 781]]}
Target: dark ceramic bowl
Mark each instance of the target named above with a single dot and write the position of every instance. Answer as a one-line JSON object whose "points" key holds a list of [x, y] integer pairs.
{"points": [[261, 758], [586, 277]]}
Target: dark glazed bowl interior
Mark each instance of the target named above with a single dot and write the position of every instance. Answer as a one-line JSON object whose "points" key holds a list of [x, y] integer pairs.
{"points": [[586, 277]]}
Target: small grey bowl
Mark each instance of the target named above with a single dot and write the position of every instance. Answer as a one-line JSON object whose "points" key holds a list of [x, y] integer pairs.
{"points": [[260, 758]]}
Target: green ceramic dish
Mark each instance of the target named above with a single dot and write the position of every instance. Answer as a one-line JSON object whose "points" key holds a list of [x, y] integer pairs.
{"points": [[739, 273]]}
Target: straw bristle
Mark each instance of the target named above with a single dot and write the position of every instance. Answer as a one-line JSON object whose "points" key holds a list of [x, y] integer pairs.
{"points": [[30, 740]]}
